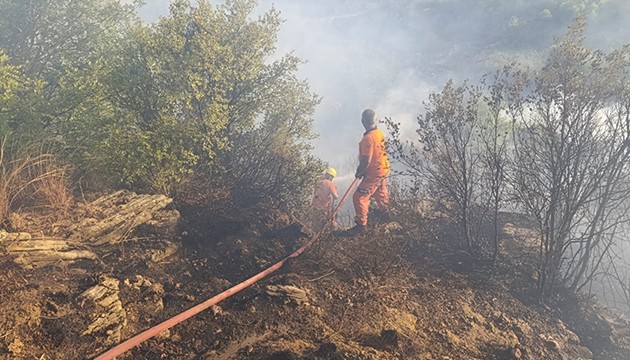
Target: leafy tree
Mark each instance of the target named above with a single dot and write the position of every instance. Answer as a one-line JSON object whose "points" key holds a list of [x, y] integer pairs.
{"points": [[64, 45], [149, 106], [10, 82], [196, 93], [272, 159]]}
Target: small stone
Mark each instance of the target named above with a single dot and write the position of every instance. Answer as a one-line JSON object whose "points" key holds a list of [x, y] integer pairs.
{"points": [[288, 293], [216, 310], [584, 353], [23, 236], [516, 353], [157, 289], [16, 346], [513, 340], [198, 345], [572, 338], [552, 344]]}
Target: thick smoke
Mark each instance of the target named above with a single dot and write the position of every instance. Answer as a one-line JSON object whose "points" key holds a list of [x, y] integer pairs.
{"points": [[389, 55]]}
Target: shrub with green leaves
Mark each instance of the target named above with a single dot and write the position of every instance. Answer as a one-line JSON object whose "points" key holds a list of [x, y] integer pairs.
{"points": [[196, 92]]}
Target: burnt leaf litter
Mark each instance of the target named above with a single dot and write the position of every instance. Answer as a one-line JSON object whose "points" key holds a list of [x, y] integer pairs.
{"points": [[399, 291]]}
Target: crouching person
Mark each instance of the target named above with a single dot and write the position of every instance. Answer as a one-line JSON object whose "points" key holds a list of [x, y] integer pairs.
{"points": [[323, 200]]}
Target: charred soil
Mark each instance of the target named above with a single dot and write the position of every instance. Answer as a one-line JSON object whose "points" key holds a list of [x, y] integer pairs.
{"points": [[398, 292]]}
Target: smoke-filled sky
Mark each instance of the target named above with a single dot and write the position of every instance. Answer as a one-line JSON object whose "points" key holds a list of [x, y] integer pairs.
{"points": [[390, 54]]}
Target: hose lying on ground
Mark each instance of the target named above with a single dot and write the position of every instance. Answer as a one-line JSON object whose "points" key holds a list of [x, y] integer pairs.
{"points": [[167, 324]]}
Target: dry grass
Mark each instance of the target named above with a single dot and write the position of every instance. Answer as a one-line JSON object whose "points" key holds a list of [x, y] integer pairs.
{"points": [[53, 186], [377, 254], [30, 175]]}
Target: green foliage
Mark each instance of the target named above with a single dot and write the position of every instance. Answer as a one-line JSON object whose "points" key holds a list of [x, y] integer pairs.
{"points": [[48, 37], [195, 92], [148, 106], [64, 45], [18, 96], [10, 82], [273, 159]]}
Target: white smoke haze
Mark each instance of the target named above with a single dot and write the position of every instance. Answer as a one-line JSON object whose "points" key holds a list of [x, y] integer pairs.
{"points": [[390, 55], [356, 57], [403, 102], [343, 66]]}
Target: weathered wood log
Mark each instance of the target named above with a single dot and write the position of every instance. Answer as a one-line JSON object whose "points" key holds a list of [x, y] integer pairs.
{"points": [[289, 293], [114, 216], [110, 316], [106, 220], [29, 251]]}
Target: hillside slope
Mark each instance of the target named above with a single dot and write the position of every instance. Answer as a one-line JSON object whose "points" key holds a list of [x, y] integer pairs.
{"points": [[395, 293]]}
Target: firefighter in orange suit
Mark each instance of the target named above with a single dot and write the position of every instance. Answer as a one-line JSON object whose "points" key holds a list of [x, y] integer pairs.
{"points": [[323, 199], [373, 170]]}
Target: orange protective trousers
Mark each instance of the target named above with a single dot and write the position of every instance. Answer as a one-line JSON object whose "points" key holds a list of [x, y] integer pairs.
{"points": [[370, 186]]}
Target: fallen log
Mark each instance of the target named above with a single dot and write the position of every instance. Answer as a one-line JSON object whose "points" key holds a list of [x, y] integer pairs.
{"points": [[29, 251], [114, 217], [110, 316]]}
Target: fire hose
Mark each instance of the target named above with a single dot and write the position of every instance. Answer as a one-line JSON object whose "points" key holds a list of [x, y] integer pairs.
{"points": [[167, 324]]}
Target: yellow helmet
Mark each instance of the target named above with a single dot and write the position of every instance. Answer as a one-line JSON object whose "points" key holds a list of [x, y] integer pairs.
{"points": [[330, 171]]}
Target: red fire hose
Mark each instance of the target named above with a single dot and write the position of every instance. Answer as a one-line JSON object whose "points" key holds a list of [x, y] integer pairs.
{"points": [[167, 324]]}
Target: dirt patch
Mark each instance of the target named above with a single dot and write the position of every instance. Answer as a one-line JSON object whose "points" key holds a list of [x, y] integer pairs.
{"points": [[393, 293]]}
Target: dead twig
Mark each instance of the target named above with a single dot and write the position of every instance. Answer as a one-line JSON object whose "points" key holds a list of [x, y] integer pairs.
{"points": [[343, 318], [7, 333], [323, 276]]}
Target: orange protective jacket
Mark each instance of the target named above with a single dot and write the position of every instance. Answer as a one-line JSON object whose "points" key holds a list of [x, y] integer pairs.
{"points": [[325, 193], [372, 145]]}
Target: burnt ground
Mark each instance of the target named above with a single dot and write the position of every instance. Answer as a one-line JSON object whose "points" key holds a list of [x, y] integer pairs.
{"points": [[398, 292]]}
